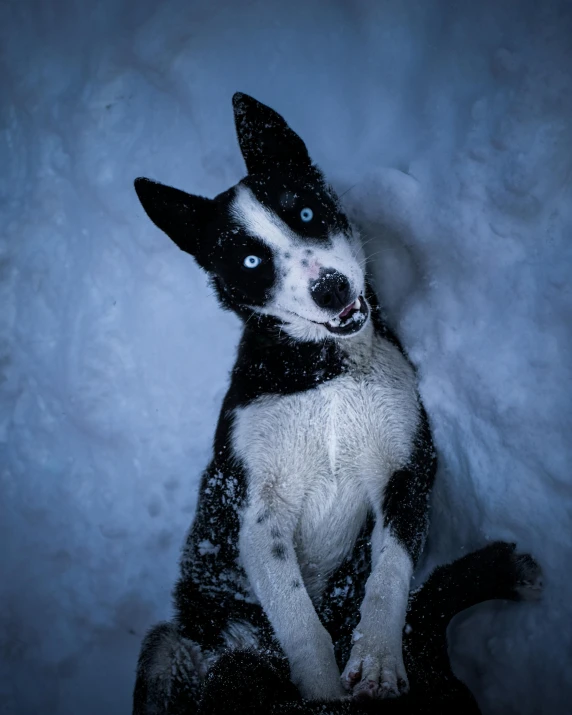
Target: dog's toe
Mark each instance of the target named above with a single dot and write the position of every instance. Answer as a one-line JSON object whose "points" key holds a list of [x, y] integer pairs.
{"points": [[375, 677], [366, 690]]}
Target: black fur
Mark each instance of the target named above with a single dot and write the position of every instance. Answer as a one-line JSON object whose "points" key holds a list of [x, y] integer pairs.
{"points": [[212, 590], [269, 362], [204, 588], [245, 682], [280, 171], [276, 145], [406, 496], [379, 320]]}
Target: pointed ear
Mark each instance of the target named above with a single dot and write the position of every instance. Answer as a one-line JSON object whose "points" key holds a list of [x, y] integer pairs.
{"points": [[264, 137], [180, 215]]}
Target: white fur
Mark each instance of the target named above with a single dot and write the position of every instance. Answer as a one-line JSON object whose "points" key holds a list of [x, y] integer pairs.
{"points": [[377, 651], [296, 268], [316, 462], [260, 221]]}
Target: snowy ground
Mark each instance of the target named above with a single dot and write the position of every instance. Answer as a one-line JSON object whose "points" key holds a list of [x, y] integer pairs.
{"points": [[452, 123]]}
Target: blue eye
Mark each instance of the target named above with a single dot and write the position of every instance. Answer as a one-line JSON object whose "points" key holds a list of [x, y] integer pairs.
{"points": [[306, 215], [252, 262]]}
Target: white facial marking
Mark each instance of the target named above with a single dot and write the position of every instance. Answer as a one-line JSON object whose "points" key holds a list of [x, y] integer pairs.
{"points": [[296, 269], [259, 221]]}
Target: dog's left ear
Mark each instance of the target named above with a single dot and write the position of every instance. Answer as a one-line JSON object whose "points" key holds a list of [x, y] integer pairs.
{"points": [[265, 140]]}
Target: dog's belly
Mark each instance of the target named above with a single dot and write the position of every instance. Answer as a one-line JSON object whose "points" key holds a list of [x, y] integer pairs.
{"points": [[325, 455], [334, 511]]}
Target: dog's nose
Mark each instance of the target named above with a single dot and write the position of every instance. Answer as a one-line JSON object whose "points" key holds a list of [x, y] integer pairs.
{"points": [[331, 290]]}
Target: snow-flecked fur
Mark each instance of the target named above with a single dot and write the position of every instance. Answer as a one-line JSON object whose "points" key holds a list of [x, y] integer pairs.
{"points": [[313, 511], [245, 682], [451, 124]]}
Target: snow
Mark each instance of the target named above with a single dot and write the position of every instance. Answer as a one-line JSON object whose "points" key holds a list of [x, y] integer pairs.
{"points": [[449, 125]]}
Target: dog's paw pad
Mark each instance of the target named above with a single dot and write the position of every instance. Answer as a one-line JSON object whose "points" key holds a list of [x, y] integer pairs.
{"points": [[392, 688], [372, 678], [366, 690], [351, 678], [529, 582]]}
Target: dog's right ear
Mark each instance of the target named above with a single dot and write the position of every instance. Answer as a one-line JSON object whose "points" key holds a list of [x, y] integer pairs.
{"points": [[180, 215]]}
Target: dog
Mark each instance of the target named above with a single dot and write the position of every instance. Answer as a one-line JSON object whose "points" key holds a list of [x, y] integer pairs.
{"points": [[249, 683], [314, 509]]}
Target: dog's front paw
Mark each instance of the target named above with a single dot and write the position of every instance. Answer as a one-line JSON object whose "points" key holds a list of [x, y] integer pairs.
{"points": [[313, 667], [374, 672], [322, 682]]}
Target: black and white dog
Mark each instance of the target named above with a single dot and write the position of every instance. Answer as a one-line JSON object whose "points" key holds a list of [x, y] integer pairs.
{"points": [[313, 511]]}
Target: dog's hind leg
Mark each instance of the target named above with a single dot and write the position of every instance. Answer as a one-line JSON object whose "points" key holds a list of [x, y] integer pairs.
{"points": [[248, 682], [170, 672]]}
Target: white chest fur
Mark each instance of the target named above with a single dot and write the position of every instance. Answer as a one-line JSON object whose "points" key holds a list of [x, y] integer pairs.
{"points": [[324, 456]]}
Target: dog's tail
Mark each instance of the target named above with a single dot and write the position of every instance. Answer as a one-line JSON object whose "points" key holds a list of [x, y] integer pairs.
{"points": [[494, 572]]}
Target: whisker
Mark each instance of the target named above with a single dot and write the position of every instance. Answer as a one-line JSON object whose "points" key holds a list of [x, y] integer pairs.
{"points": [[249, 318], [346, 191], [375, 253]]}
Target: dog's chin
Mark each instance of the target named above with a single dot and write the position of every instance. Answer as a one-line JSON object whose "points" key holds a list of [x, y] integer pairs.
{"points": [[347, 324]]}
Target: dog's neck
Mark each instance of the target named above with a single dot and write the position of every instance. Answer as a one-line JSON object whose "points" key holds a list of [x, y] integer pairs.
{"points": [[267, 332], [269, 361]]}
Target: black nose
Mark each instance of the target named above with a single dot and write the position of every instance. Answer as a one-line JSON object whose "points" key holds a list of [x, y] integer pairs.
{"points": [[331, 290]]}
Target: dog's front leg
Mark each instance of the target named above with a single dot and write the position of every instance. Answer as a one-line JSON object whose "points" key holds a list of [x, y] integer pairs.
{"points": [[375, 667], [270, 561]]}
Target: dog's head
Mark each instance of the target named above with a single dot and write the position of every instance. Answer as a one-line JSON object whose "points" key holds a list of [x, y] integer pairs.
{"points": [[277, 245]]}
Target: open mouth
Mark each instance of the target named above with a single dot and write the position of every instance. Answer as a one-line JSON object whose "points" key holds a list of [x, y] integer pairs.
{"points": [[350, 320]]}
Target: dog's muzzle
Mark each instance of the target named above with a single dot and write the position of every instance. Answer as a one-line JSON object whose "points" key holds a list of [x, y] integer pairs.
{"points": [[351, 319]]}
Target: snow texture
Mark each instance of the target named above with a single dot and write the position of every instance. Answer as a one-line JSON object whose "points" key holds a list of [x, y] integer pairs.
{"points": [[449, 123]]}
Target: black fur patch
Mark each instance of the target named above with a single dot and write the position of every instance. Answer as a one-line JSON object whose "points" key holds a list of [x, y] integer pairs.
{"points": [[265, 139], [269, 362], [212, 590], [263, 516], [235, 282], [405, 502], [377, 317], [308, 190], [279, 551]]}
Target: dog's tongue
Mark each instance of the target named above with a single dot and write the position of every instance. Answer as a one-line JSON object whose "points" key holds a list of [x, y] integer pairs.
{"points": [[346, 311]]}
